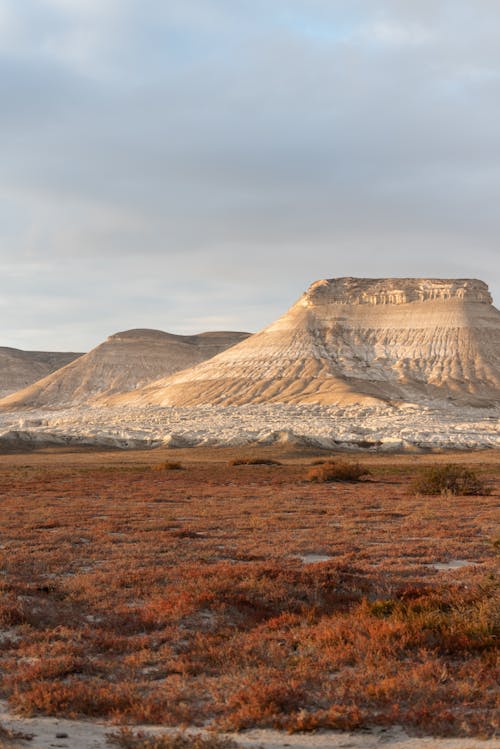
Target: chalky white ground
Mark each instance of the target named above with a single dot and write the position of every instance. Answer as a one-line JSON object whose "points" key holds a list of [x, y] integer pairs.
{"points": [[92, 735], [379, 427]]}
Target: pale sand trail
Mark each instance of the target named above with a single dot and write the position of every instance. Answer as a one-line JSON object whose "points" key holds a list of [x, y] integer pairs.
{"points": [[82, 734]]}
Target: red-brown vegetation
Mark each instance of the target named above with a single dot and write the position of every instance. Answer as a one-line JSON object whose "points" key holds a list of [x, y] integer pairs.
{"points": [[168, 465], [449, 480], [341, 470], [254, 462], [180, 598]]}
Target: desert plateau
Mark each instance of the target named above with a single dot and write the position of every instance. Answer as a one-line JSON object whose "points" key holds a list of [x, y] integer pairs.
{"points": [[384, 363], [282, 539]]}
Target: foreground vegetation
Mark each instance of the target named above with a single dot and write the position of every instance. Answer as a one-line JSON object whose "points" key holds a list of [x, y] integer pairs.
{"points": [[185, 596], [450, 480], [127, 739]]}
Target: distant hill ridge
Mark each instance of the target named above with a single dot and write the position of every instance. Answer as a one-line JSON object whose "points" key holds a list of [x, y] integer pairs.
{"points": [[124, 361], [20, 368]]}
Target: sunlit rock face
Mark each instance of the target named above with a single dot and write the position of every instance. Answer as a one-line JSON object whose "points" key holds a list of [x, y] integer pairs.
{"points": [[123, 362], [395, 290], [21, 368], [357, 340]]}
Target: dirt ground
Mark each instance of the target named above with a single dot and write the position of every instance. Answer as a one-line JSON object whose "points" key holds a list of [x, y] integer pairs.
{"points": [[49, 733], [56, 457]]}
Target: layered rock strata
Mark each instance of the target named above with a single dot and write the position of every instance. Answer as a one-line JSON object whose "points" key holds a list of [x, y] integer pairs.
{"points": [[356, 340]]}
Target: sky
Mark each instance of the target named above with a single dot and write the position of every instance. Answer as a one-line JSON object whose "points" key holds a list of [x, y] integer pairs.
{"points": [[193, 165]]}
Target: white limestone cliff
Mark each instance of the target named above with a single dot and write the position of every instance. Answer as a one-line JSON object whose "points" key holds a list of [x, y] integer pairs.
{"points": [[354, 340]]}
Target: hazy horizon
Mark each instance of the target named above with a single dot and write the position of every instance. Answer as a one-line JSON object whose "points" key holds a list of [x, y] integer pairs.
{"points": [[176, 332], [192, 166]]}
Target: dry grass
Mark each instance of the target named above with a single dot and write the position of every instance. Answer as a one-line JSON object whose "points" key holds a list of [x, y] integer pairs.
{"points": [[449, 480], [341, 470], [254, 462], [127, 739], [179, 598], [168, 465]]}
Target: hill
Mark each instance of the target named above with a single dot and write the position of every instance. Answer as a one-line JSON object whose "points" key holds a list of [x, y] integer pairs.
{"points": [[123, 362], [356, 340], [18, 368]]}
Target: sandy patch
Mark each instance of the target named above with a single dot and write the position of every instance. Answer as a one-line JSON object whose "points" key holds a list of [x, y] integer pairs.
{"points": [[315, 558], [49, 733], [454, 564]]}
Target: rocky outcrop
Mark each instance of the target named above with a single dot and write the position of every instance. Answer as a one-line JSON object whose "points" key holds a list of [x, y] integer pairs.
{"points": [[18, 368], [352, 340], [395, 291], [123, 362]]}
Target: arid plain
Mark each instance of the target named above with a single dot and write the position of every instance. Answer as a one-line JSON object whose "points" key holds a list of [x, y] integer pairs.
{"points": [[247, 597], [275, 561]]}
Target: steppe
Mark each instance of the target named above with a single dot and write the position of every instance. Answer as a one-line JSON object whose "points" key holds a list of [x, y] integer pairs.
{"points": [[246, 598], [207, 583]]}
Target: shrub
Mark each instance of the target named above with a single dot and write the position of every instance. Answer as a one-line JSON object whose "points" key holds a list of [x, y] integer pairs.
{"points": [[168, 465], [254, 462], [340, 471], [449, 480], [13, 611], [129, 740]]}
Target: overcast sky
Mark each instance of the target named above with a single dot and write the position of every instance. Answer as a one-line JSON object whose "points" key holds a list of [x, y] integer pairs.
{"points": [[191, 165]]}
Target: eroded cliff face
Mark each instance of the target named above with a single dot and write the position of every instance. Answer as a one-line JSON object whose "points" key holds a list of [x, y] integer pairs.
{"points": [[352, 340], [395, 291]]}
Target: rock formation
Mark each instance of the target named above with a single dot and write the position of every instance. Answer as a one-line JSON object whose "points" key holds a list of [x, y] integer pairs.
{"points": [[123, 362], [18, 369], [353, 340]]}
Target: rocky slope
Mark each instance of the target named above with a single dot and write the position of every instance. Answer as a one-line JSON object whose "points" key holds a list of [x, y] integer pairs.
{"points": [[123, 362], [352, 340], [18, 368]]}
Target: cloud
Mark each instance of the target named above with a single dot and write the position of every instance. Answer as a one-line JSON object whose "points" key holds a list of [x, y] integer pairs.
{"points": [[404, 35], [166, 163]]}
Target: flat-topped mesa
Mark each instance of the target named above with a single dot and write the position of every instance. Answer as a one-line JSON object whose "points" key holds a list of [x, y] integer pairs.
{"points": [[149, 334], [142, 334], [357, 340], [395, 291]]}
